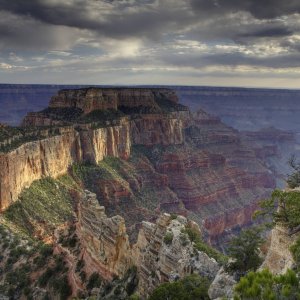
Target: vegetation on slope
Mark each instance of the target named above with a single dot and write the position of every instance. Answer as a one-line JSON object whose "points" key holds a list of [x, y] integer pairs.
{"points": [[67, 114], [13, 137], [107, 169], [168, 106], [46, 204], [244, 250], [265, 285], [200, 245], [189, 288], [28, 266]]}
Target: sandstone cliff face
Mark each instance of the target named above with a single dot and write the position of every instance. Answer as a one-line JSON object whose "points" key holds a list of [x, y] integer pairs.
{"points": [[153, 130], [109, 141], [104, 240], [34, 160], [53, 156], [88, 141]]}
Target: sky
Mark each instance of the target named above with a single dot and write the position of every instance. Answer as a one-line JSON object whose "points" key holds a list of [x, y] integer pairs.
{"points": [[252, 43]]}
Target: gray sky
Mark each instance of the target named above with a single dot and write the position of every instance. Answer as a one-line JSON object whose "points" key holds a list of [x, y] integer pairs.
{"points": [[187, 42]]}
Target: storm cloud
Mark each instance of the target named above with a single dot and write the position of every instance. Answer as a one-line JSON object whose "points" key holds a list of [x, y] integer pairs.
{"points": [[145, 40]]}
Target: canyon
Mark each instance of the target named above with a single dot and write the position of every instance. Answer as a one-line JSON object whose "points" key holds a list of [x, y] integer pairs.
{"points": [[245, 109], [169, 159], [131, 188]]}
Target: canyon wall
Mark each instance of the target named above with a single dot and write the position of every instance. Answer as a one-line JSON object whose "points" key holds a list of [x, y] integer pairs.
{"points": [[54, 155], [279, 257]]}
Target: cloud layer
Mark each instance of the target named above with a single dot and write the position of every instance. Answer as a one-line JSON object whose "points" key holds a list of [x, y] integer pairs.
{"points": [[150, 41]]}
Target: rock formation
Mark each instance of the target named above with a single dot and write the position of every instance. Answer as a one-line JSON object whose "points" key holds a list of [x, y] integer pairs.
{"points": [[279, 257], [106, 248], [165, 253], [90, 99], [222, 286]]}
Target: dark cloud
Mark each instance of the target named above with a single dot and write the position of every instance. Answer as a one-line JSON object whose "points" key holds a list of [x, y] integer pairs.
{"points": [[155, 19], [261, 9], [268, 32], [110, 18], [24, 33], [233, 59]]}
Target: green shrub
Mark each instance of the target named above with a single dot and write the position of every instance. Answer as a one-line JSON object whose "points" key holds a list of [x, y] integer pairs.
{"points": [[64, 288], [192, 234], [82, 275], [265, 285], [79, 265], [295, 250], [134, 297], [168, 238], [189, 288], [46, 250], [94, 281], [283, 207], [244, 249], [44, 278]]}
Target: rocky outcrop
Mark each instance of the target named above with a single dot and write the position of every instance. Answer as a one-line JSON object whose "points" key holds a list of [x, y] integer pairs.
{"points": [[222, 286], [279, 257], [104, 240], [164, 253], [106, 249]]}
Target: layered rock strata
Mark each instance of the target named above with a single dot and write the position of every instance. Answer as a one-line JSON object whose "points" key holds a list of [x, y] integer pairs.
{"points": [[90, 99], [104, 240]]}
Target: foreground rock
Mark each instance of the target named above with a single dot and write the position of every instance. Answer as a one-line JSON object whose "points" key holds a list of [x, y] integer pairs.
{"points": [[165, 253], [222, 286], [279, 257], [106, 248]]}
